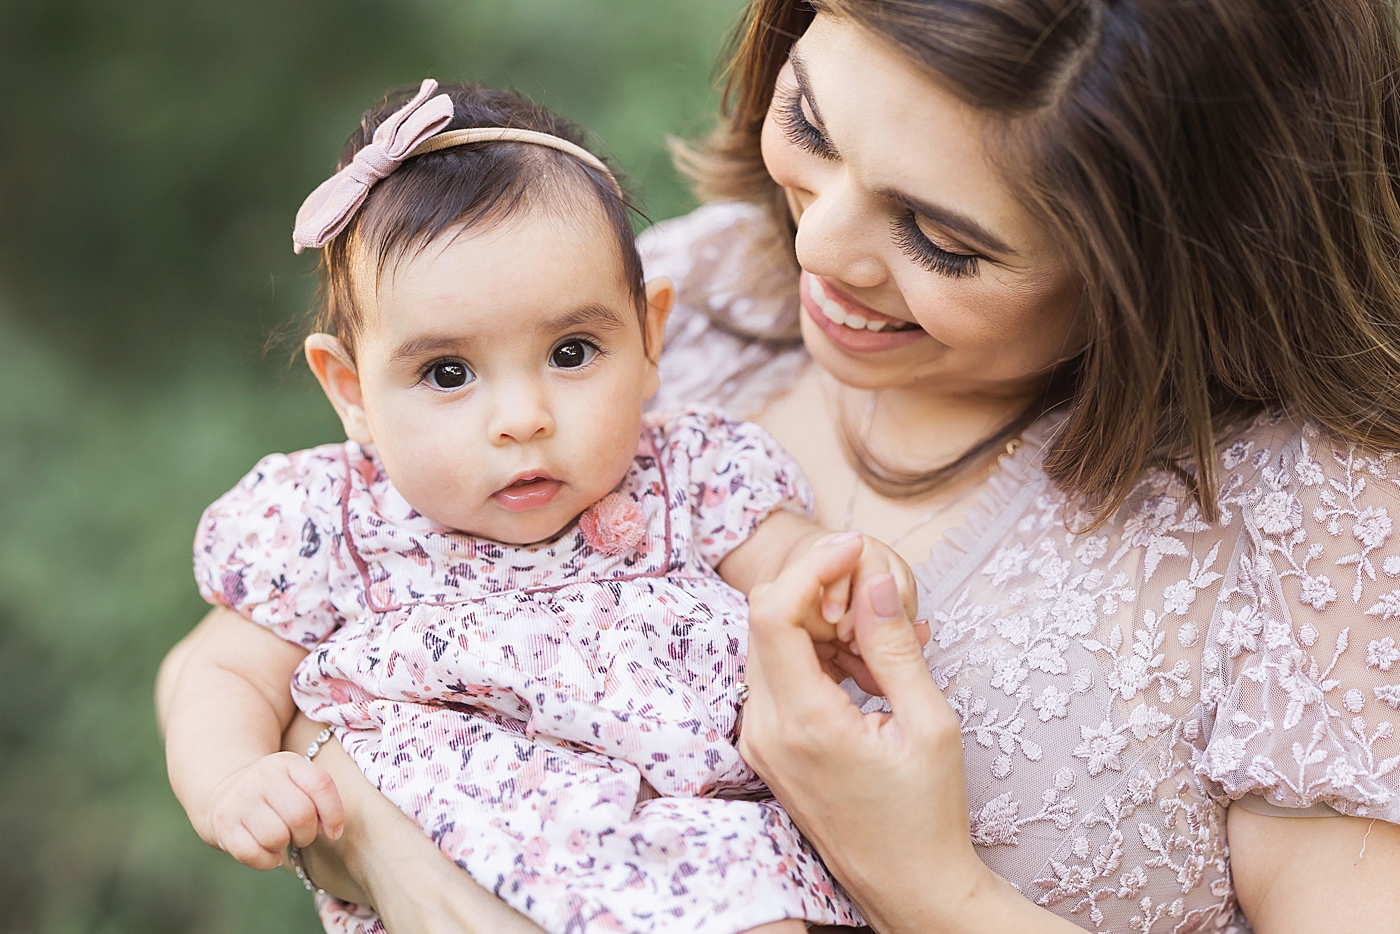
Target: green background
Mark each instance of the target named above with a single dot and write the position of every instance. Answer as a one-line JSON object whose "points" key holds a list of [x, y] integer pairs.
{"points": [[152, 156]]}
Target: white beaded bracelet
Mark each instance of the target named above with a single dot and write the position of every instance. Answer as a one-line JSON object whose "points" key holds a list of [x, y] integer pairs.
{"points": [[294, 851]]}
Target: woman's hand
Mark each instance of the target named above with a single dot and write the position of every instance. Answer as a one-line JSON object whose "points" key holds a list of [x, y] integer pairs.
{"points": [[882, 796], [785, 541], [384, 860]]}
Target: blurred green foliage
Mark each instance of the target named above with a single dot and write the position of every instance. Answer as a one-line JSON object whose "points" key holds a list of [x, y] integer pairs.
{"points": [[153, 155]]}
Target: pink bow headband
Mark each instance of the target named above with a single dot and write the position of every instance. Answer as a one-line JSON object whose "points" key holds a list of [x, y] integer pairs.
{"points": [[414, 129]]}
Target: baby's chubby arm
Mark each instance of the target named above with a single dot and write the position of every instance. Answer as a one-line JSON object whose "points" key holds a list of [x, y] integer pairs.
{"points": [[223, 701]]}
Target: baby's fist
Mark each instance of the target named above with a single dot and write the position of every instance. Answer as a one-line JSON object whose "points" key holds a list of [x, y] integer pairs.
{"points": [[279, 799], [876, 559]]}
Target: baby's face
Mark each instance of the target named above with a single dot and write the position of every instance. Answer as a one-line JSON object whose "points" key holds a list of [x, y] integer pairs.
{"points": [[503, 374]]}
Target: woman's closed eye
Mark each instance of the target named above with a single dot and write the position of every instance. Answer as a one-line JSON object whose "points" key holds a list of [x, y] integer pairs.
{"points": [[790, 113], [573, 353], [449, 374], [910, 238]]}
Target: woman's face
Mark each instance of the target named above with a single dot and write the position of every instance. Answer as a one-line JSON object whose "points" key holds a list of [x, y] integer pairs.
{"points": [[904, 224]]}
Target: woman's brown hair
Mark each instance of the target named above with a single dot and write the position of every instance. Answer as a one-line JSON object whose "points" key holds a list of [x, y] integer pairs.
{"points": [[1223, 176]]}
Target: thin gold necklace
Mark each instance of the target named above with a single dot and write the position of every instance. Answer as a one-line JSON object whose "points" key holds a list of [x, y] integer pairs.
{"points": [[926, 518]]}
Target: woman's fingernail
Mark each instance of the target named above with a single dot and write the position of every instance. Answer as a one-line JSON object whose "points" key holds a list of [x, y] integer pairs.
{"points": [[841, 539], [884, 597], [832, 613], [854, 649]]}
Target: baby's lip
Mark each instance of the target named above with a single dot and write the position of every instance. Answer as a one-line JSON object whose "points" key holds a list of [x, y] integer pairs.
{"points": [[528, 490]]}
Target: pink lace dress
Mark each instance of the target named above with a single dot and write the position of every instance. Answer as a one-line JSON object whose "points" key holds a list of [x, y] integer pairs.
{"points": [[1119, 690], [516, 702]]}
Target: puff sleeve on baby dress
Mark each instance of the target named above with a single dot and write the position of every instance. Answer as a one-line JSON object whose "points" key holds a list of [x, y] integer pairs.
{"points": [[265, 548], [737, 476]]}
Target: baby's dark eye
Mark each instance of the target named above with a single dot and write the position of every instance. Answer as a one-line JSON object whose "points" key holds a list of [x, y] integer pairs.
{"points": [[572, 354], [449, 374]]}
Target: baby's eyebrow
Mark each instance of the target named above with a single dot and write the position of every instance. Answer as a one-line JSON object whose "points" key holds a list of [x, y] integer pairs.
{"points": [[416, 347], [594, 315], [591, 315]]}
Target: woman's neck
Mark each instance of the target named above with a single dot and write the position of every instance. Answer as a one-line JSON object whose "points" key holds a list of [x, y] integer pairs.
{"points": [[919, 428], [914, 430]]}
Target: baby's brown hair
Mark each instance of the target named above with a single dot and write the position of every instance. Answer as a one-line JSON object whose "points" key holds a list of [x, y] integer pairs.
{"points": [[471, 187]]}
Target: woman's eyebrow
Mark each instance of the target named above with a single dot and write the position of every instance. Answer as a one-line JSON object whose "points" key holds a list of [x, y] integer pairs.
{"points": [[960, 224]]}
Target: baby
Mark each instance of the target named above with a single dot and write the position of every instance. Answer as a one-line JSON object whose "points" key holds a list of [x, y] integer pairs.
{"points": [[510, 593]]}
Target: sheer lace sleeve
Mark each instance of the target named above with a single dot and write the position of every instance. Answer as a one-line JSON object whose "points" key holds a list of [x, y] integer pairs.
{"points": [[263, 548], [732, 339], [1303, 644]]}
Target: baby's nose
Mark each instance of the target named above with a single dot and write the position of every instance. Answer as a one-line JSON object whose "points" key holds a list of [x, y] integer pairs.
{"points": [[521, 414]]}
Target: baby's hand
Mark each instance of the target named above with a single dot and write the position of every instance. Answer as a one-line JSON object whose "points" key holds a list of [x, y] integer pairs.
{"points": [[843, 562], [876, 559], [279, 799], [850, 568]]}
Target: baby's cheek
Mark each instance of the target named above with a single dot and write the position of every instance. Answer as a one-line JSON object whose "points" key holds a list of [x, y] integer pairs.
{"points": [[603, 431], [616, 457], [441, 482]]}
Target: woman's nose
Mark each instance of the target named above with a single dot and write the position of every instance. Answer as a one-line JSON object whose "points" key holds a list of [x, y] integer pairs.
{"points": [[521, 413], [833, 235]]}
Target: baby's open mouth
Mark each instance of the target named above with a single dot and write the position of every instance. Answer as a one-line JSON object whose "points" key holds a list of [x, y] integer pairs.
{"points": [[832, 310], [532, 491]]}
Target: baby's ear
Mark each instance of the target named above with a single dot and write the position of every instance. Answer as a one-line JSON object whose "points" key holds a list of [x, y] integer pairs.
{"points": [[661, 298], [335, 371]]}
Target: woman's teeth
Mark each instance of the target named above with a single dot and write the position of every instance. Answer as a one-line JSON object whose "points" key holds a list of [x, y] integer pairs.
{"points": [[838, 315]]}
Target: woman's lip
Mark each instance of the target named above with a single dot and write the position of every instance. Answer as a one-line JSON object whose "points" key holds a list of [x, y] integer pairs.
{"points": [[851, 306], [532, 494], [850, 339]]}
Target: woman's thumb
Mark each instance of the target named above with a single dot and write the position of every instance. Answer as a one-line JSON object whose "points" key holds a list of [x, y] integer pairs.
{"points": [[891, 650]]}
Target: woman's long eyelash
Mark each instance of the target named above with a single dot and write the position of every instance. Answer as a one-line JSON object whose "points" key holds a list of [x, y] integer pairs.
{"points": [[913, 241], [798, 129]]}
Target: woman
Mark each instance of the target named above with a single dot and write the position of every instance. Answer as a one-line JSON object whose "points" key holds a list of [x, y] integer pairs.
{"points": [[1106, 292]]}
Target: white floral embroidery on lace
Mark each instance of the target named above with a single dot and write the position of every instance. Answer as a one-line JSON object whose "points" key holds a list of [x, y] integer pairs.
{"points": [[1058, 652]]}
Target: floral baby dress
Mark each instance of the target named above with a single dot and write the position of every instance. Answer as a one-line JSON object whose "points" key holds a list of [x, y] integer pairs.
{"points": [[524, 704]]}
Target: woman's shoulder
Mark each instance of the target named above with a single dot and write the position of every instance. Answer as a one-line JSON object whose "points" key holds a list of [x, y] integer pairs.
{"points": [[1319, 503], [673, 247], [732, 339], [1300, 479], [1301, 667]]}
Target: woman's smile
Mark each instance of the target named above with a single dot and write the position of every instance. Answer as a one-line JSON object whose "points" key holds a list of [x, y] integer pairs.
{"points": [[850, 324]]}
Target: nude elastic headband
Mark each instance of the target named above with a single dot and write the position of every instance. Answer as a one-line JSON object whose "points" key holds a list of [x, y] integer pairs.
{"points": [[414, 129]]}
